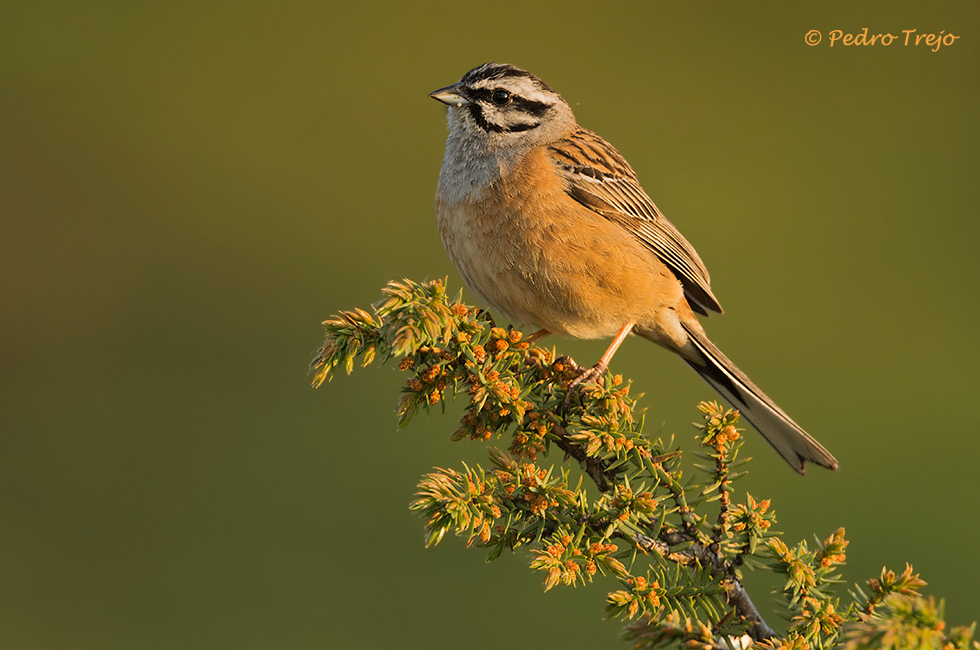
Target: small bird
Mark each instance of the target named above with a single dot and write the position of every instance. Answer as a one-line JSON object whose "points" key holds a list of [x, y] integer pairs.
{"points": [[547, 223]]}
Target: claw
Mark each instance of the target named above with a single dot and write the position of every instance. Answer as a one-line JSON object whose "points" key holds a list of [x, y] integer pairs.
{"points": [[587, 375]]}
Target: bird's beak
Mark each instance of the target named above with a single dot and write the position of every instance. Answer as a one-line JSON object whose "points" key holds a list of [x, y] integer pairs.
{"points": [[449, 95]]}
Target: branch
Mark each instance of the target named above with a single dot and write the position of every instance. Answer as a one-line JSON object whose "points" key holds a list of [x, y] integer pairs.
{"points": [[520, 390], [736, 594], [594, 467], [696, 551]]}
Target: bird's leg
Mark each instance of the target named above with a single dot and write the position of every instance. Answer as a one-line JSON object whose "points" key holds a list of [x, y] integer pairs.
{"points": [[540, 334], [595, 372]]}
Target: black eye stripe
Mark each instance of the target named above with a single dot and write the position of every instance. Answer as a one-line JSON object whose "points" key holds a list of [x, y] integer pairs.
{"points": [[529, 106], [478, 94], [476, 112], [537, 109]]}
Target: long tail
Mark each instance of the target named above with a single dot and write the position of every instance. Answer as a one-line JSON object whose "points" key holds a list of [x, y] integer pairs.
{"points": [[787, 437]]}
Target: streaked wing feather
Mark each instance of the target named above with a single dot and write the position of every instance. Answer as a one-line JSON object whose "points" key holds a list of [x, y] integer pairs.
{"points": [[601, 179]]}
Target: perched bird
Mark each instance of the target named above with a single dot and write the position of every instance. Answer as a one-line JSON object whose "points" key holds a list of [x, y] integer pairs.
{"points": [[547, 223]]}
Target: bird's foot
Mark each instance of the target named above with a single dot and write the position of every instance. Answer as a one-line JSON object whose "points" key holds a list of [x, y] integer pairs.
{"points": [[586, 375]]}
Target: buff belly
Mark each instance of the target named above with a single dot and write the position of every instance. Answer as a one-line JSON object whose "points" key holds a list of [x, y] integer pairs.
{"points": [[568, 277]]}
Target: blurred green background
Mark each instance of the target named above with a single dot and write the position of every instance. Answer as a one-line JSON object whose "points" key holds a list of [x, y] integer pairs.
{"points": [[188, 189]]}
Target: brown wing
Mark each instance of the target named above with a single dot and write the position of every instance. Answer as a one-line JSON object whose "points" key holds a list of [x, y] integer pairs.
{"points": [[600, 179]]}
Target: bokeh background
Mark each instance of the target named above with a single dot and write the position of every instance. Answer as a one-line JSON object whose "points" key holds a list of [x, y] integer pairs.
{"points": [[188, 189]]}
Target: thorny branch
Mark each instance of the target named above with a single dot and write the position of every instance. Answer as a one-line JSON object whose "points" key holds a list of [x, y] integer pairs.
{"points": [[594, 467], [517, 388], [697, 552]]}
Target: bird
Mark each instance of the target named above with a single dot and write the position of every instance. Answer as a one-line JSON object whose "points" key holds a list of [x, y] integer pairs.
{"points": [[547, 224]]}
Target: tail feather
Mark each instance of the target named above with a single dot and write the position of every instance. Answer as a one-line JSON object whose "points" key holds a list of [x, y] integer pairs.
{"points": [[794, 444]]}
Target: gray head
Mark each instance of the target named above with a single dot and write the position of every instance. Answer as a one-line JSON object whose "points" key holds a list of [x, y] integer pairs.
{"points": [[502, 106]]}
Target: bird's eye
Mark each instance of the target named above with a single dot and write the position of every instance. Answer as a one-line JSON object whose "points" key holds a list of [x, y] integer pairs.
{"points": [[500, 97]]}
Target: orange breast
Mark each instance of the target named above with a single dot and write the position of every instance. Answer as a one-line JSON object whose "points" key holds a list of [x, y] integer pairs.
{"points": [[529, 250]]}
